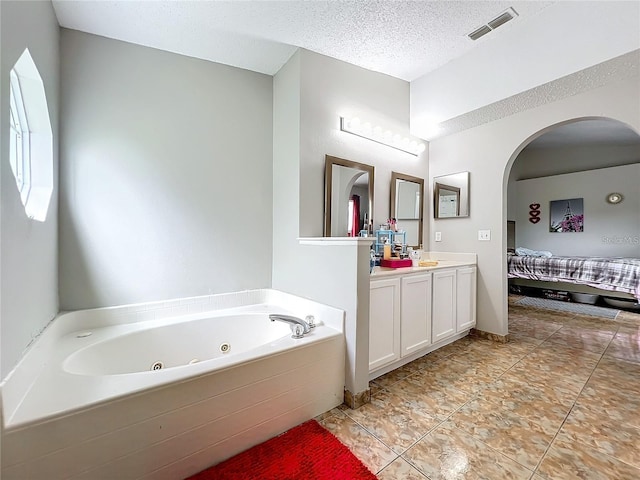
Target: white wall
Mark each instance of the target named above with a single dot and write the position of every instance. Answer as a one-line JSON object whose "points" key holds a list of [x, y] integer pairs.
{"points": [[330, 89], [166, 175], [568, 43], [488, 151], [544, 162], [609, 230], [29, 284], [310, 94]]}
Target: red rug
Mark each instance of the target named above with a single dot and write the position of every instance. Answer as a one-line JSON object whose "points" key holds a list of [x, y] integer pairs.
{"points": [[307, 451]]}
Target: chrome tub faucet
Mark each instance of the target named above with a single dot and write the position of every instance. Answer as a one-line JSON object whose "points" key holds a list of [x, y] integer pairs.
{"points": [[298, 326]]}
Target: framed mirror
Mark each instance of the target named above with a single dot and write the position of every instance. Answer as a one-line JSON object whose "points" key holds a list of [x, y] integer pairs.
{"points": [[348, 197], [407, 194], [451, 195]]}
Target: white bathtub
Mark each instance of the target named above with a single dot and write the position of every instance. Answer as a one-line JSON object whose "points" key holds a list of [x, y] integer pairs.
{"points": [[163, 390]]}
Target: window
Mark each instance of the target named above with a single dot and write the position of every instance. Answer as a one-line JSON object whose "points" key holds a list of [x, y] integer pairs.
{"points": [[19, 139], [30, 138]]}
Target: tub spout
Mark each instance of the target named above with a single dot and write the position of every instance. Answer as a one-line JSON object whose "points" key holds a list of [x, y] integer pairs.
{"points": [[298, 326]]}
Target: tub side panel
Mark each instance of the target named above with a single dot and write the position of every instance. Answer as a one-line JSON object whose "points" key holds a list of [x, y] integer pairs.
{"points": [[120, 413], [178, 430]]}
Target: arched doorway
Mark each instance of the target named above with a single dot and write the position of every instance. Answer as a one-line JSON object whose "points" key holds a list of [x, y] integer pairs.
{"points": [[582, 160]]}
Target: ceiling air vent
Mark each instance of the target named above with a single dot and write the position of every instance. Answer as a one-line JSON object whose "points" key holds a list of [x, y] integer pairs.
{"points": [[501, 19], [476, 34]]}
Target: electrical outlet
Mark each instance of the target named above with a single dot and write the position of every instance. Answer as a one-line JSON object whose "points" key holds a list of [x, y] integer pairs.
{"points": [[484, 235], [438, 236]]}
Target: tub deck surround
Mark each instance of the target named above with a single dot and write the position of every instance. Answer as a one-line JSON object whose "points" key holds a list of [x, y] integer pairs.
{"points": [[78, 417], [337, 273]]}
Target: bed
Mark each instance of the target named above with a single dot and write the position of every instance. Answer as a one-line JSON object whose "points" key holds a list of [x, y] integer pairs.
{"points": [[616, 275]]}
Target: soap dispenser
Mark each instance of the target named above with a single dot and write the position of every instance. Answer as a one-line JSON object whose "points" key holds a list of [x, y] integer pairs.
{"points": [[386, 250]]}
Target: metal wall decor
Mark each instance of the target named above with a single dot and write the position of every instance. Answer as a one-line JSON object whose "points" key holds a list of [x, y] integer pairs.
{"points": [[534, 213]]}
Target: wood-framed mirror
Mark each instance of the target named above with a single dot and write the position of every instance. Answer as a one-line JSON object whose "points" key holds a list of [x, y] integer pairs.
{"points": [[451, 195], [348, 197], [406, 206]]}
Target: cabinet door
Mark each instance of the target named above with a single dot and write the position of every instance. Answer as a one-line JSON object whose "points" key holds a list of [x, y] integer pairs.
{"points": [[384, 323], [444, 304], [415, 313], [466, 298]]}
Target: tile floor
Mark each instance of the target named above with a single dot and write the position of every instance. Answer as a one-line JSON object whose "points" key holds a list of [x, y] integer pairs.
{"points": [[561, 400]]}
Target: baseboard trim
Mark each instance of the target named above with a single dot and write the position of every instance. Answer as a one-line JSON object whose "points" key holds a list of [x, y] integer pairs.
{"points": [[354, 401], [490, 336]]}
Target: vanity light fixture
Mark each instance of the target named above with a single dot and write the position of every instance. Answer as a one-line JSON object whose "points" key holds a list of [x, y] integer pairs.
{"points": [[379, 135]]}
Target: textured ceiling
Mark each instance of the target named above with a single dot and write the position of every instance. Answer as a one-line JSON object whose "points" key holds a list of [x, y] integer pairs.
{"points": [[623, 67], [587, 133], [404, 39]]}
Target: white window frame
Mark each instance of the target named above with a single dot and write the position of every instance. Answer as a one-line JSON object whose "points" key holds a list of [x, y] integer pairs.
{"points": [[20, 154], [31, 138]]}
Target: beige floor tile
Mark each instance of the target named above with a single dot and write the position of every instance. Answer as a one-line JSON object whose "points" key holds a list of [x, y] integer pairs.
{"points": [[460, 375], [628, 318], [399, 469], [374, 388], [592, 323], [617, 374], [398, 422], [395, 375], [443, 352], [440, 401], [602, 434], [618, 406], [537, 403], [540, 331], [604, 395], [371, 451], [539, 373], [566, 462], [574, 355], [502, 404], [566, 390], [520, 439], [581, 338], [449, 453], [629, 331], [524, 338], [625, 345], [621, 366], [490, 358], [571, 360], [515, 347]]}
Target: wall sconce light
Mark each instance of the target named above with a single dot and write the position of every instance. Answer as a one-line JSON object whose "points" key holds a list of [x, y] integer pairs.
{"points": [[378, 135]]}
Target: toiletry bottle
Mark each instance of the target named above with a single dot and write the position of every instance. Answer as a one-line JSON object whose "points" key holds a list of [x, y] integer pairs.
{"points": [[386, 250]]}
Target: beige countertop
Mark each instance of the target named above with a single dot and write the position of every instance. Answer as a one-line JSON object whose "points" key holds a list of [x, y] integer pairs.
{"points": [[387, 272]]}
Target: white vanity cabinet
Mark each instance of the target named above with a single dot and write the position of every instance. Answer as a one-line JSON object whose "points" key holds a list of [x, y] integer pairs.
{"points": [[399, 318], [465, 298], [411, 314], [444, 304], [415, 313], [384, 322]]}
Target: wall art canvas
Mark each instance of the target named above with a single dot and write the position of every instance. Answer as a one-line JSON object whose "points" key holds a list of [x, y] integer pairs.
{"points": [[566, 215]]}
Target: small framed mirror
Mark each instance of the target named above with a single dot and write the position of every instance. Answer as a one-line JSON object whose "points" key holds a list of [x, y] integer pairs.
{"points": [[348, 197], [451, 195], [407, 199]]}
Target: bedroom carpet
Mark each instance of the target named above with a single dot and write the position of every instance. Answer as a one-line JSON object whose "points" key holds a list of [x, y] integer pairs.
{"points": [[306, 452], [579, 308]]}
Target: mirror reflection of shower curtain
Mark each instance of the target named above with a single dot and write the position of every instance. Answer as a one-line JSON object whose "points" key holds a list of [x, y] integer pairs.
{"points": [[354, 227]]}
